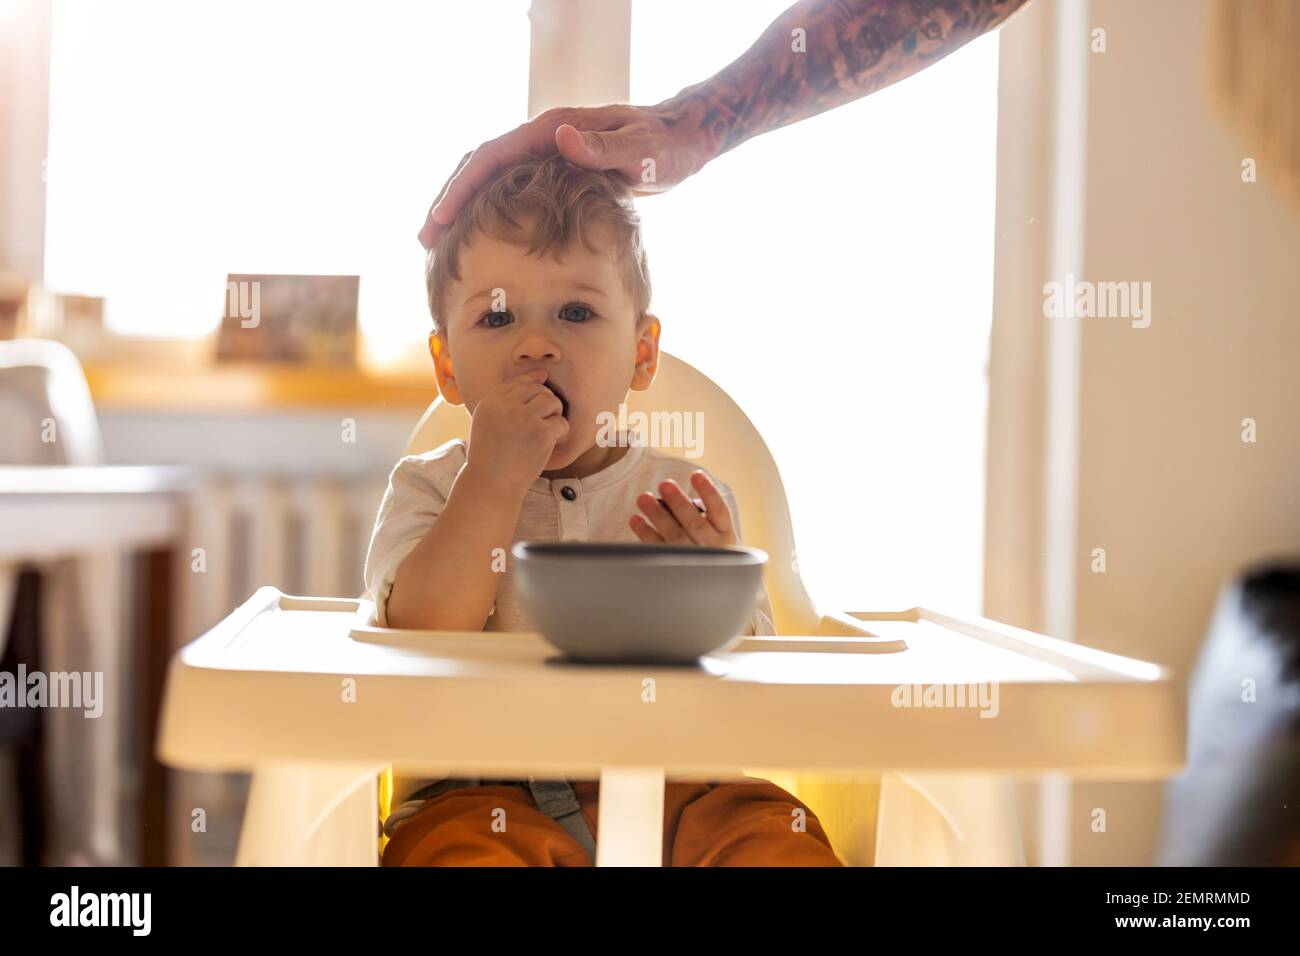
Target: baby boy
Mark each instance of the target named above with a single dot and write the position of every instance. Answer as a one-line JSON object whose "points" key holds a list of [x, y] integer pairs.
{"points": [[540, 298]]}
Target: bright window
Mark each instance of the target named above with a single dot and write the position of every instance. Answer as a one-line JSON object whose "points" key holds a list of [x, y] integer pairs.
{"points": [[836, 278], [191, 140]]}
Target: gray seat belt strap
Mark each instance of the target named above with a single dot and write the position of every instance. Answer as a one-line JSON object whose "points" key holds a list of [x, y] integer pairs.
{"points": [[556, 799]]}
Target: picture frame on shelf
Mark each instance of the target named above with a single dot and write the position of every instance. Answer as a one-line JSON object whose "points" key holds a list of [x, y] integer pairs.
{"points": [[290, 319]]}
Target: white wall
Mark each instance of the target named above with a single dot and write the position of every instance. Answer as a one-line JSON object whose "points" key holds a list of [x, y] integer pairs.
{"points": [[24, 103], [1163, 483], [1166, 484]]}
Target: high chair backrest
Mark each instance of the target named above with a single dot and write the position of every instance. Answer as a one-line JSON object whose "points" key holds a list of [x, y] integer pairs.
{"points": [[729, 446]]}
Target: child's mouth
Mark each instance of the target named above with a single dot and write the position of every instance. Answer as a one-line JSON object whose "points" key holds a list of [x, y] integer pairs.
{"points": [[560, 395]]}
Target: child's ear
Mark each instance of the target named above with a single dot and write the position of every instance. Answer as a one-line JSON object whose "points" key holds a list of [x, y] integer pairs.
{"points": [[647, 353], [443, 371]]}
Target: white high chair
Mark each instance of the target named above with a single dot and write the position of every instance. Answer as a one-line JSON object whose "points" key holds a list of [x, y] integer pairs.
{"points": [[976, 824], [314, 796]]}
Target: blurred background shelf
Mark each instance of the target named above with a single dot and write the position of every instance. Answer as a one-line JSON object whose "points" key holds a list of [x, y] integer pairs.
{"points": [[122, 385]]}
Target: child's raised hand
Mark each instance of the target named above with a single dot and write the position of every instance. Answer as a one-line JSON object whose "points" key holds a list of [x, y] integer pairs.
{"points": [[514, 430], [679, 520]]}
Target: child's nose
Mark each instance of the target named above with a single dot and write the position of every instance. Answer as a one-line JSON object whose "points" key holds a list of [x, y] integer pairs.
{"points": [[533, 345]]}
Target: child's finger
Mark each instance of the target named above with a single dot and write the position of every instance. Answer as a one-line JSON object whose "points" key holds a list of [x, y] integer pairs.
{"points": [[661, 518], [545, 399], [641, 528], [529, 376], [533, 383], [690, 517], [715, 506]]}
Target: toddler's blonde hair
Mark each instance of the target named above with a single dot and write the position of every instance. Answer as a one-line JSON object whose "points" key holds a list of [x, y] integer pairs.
{"points": [[546, 205]]}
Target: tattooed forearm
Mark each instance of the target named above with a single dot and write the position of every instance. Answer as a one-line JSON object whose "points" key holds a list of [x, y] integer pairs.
{"points": [[847, 49]]}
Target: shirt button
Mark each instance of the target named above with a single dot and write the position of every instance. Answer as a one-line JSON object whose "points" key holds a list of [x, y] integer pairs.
{"points": [[568, 492]]}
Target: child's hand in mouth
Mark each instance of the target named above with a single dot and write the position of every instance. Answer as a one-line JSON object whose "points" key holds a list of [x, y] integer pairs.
{"points": [[560, 395], [514, 431], [676, 519]]}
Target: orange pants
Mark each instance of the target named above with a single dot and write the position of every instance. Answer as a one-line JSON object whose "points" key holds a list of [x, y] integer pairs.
{"points": [[750, 822]]}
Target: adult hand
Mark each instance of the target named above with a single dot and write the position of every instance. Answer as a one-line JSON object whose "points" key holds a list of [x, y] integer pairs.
{"points": [[653, 147], [854, 47]]}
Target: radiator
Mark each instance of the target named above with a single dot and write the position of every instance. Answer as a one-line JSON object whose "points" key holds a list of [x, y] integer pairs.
{"points": [[304, 534], [301, 534]]}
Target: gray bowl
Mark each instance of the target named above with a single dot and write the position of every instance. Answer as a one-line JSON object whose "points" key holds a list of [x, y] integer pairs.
{"points": [[638, 603]]}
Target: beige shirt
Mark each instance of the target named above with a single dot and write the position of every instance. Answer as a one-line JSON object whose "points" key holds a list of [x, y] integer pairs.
{"points": [[599, 510], [602, 503]]}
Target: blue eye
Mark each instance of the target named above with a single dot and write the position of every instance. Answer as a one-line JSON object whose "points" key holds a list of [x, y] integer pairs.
{"points": [[487, 319], [575, 312]]}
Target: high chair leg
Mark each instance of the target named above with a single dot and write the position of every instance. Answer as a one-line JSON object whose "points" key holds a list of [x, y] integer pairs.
{"points": [[929, 819], [630, 828], [307, 815]]}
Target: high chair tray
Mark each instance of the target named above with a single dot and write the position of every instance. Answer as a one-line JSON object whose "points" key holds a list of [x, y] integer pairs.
{"points": [[304, 679]]}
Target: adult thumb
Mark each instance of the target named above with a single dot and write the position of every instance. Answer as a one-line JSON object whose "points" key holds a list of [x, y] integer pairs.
{"points": [[592, 149]]}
